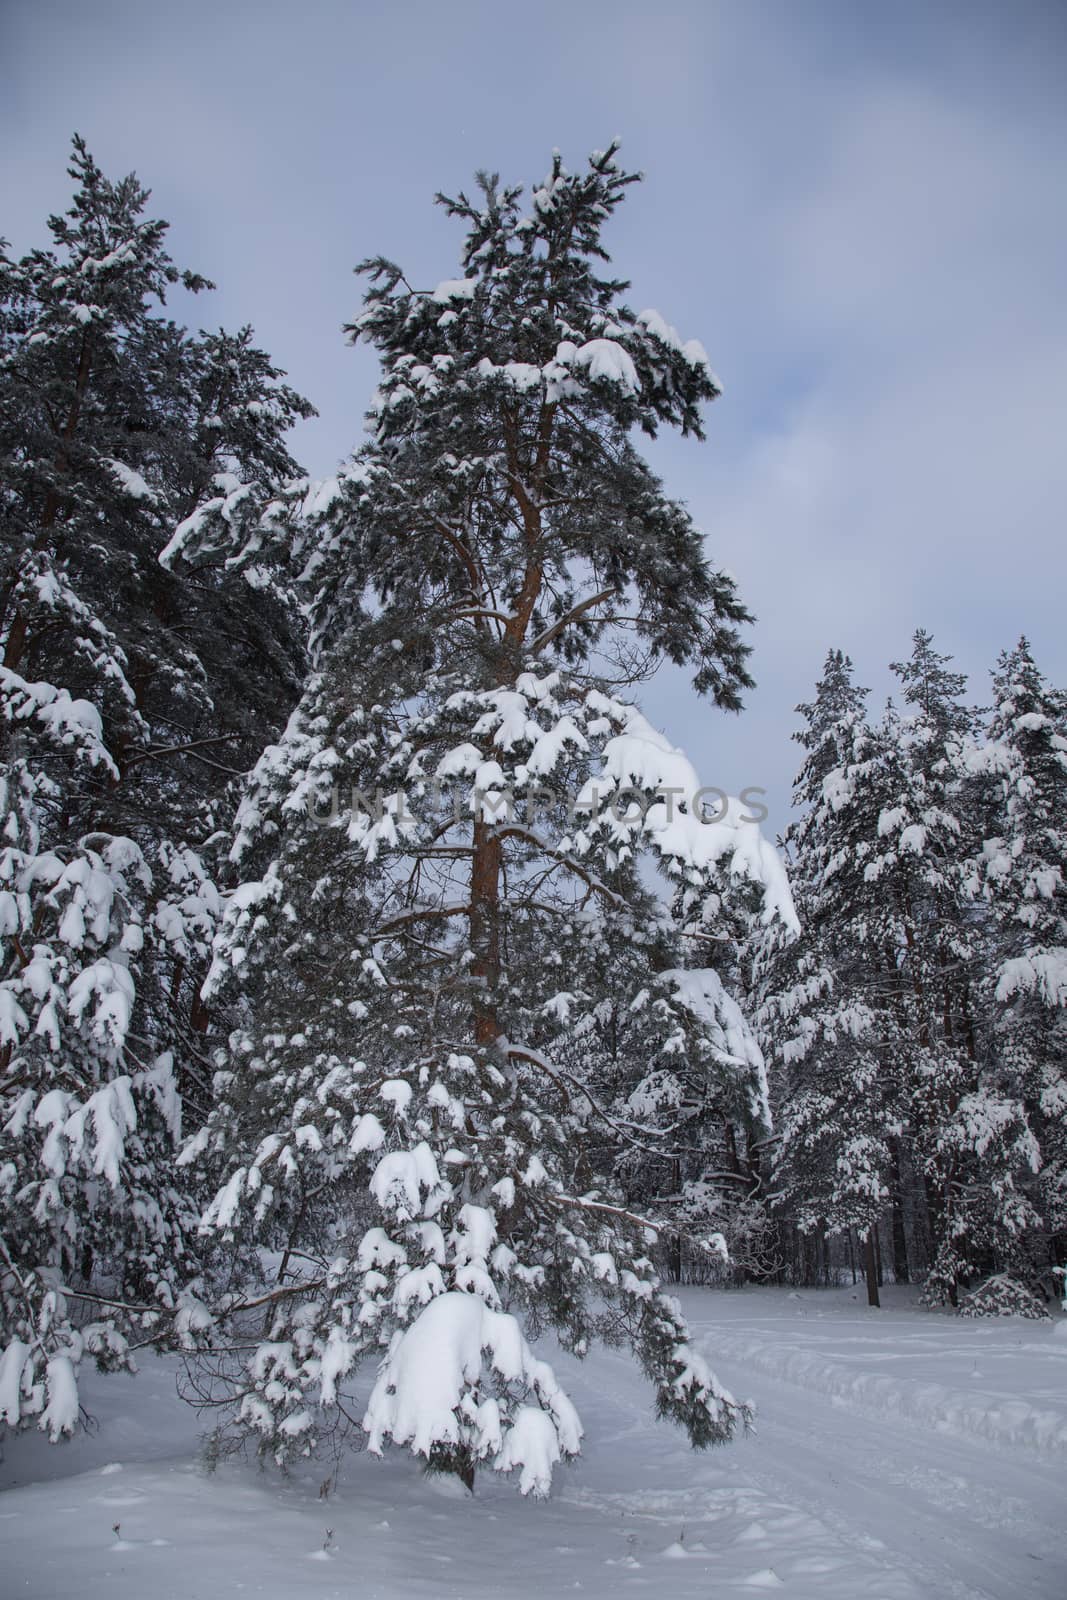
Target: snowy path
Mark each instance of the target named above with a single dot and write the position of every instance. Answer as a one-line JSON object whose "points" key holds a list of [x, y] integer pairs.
{"points": [[942, 1439], [931, 1506], [845, 1492]]}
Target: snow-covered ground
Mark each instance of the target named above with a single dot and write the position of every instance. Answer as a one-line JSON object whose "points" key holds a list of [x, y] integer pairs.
{"points": [[897, 1454]]}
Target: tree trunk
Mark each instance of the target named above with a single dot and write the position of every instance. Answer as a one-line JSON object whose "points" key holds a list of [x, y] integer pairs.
{"points": [[935, 1213], [870, 1268], [485, 930], [674, 1257], [900, 1242]]}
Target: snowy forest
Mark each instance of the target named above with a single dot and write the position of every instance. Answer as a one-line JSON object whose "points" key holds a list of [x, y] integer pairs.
{"points": [[382, 991]]}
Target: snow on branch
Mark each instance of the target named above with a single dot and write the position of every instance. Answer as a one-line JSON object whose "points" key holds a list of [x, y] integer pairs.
{"points": [[456, 1380], [67, 722]]}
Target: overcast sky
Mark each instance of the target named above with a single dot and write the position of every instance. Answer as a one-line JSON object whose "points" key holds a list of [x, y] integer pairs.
{"points": [[857, 207]]}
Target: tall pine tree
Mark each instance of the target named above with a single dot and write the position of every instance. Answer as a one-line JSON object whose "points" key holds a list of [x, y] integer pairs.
{"points": [[969, 1127], [444, 926], [913, 1026], [129, 701], [1023, 873], [822, 1010]]}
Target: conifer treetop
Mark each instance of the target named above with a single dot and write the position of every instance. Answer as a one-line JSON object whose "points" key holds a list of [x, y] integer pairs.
{"points": [[500, 503], [932, 688], [507, 401]]}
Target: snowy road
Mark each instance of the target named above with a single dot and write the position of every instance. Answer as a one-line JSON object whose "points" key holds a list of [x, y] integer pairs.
{"points": [[899, 1456], [963, 1518], [866, 1423]]}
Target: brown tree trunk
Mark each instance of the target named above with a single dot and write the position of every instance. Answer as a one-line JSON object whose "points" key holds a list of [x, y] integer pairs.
{"points": [[870, 1268], [485, 930]]}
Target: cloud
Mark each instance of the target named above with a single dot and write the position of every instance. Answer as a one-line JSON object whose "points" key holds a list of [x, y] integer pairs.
{"points": [[857, 209], [912, 471]]}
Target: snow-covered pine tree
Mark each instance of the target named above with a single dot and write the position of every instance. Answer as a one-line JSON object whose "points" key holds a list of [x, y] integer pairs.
{"points": [[822, 1001], [129, 700], [443, 911], [704, 1159], [708, 1163], [969, 1127], [906, 843], [1023, 873]]}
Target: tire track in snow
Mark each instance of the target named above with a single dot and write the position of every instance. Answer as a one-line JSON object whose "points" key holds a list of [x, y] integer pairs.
{"points": [[962, 1519], [728, 1508], [1014, 1423]]}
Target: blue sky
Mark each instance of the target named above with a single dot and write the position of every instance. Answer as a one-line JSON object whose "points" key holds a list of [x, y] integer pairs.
{"points": [[857, 208]]}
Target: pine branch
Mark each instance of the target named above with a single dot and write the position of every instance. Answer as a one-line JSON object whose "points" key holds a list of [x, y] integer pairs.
{"points": [[557, 628], [182, 749]]}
